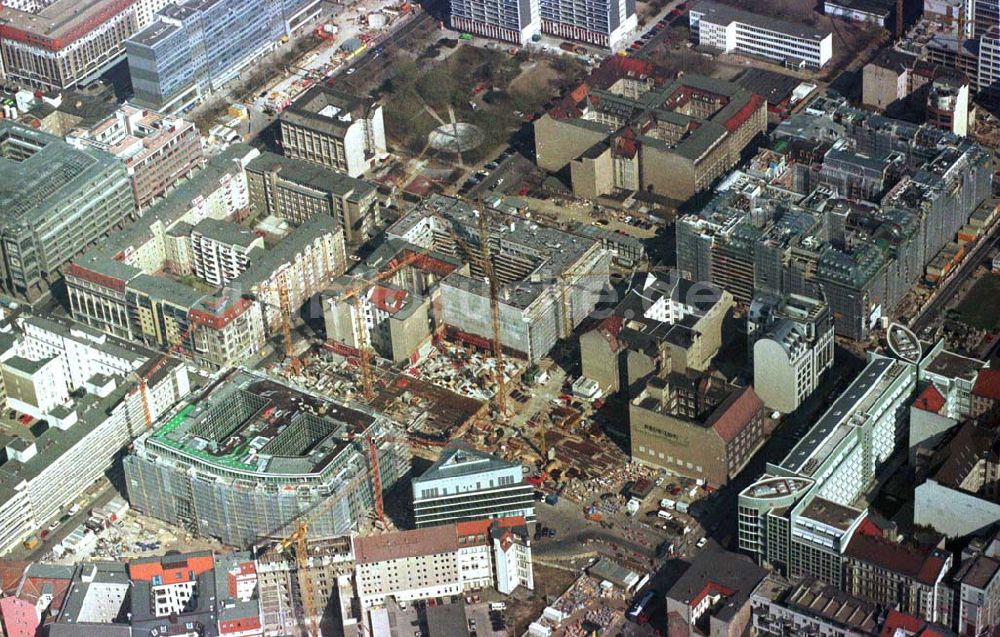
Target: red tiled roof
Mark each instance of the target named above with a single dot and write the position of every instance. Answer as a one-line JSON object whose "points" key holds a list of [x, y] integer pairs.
{"points": [[734, 414], [741, 116], [930, 400], [18, 617], [388, 299], [923, 564], [909, 624], [174, 570], [987, 384]]}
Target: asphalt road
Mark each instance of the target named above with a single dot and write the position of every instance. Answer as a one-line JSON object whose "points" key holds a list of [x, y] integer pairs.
{"points": [[100, 498]]}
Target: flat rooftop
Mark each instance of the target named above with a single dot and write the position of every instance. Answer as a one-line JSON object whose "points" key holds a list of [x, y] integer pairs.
{"points": [[724, 14], [254, 424], [64, 20], [832, 426]]}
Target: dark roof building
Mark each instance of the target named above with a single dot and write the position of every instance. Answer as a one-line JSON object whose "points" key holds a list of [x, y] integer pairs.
{"points": [[713, 595]]}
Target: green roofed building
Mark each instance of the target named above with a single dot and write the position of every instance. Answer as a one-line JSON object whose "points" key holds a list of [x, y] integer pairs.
{"points": [[249, 455]]}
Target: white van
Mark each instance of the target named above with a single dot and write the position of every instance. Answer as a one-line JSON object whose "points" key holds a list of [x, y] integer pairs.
{"points": [[664, 514]]}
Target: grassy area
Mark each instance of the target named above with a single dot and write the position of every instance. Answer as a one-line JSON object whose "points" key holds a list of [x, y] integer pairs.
{"points": [[479, 86], [975, 309]]}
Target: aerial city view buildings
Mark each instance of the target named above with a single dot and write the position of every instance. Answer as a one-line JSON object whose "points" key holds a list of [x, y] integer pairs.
{"points": [[477, 318]]}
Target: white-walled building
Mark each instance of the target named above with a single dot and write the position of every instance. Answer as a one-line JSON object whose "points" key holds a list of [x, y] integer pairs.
{"points": [[792, 341], [470, 485], [443, 561], [734, 31], [221, 250], [48, 466]]}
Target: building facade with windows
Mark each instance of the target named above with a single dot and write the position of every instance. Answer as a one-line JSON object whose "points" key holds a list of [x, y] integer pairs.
{"points": [[194, 47], [443, 561], [792, 346], [465, 484], [800, 516], [61, 200], [334, 129], [732, 30]]}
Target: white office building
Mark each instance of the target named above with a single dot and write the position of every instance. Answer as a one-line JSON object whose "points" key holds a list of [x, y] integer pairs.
{"points": [[989, 62], [800, 516], [792, 341], [470, 485], [731, 30], [85, 386]]}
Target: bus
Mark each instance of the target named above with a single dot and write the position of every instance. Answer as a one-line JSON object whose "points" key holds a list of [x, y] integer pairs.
{"points": [[639, 612]]}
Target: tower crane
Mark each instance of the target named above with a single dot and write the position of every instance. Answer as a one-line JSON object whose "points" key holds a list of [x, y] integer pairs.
{"points": [[284, 308], [299, 538]]}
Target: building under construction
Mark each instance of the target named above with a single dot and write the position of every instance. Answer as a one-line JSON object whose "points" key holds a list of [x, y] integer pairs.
{"points": [[249, 455], [549, 280]]}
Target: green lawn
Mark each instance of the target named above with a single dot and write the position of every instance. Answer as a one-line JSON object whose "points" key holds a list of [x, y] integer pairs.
{"points": [[979, 308]]}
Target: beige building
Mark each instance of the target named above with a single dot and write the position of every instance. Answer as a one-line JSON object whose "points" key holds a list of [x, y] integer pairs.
{"points": [[335, 129], [696, 425], [296, 190], [631, 127], [665, 321]]}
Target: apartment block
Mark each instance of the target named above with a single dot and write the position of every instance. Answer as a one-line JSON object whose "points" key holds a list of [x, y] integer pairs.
{"points": [[133, 284], [465, 484], [295, 189], [732, 30], [607, 23], [791, 347], [959, 495], [899, 574], [514, 21], [222, 250], [334, 129], [194, 47], [66, 198], [248, 437], [54, 44], [800, 516], [82, 384], [157, 151], [810, 608], [632, 126], [443, 561], [550, 280]]}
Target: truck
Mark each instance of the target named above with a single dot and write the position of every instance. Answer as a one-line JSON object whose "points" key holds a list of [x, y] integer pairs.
{"points": [[682, 507], [551, 499], [667, 503]]}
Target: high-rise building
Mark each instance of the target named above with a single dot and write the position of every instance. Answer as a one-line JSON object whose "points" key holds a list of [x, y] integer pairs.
{"points": [[465, 484], [513, 21], [54, 44], [58, 200], [606, 23], [194, 47]]}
